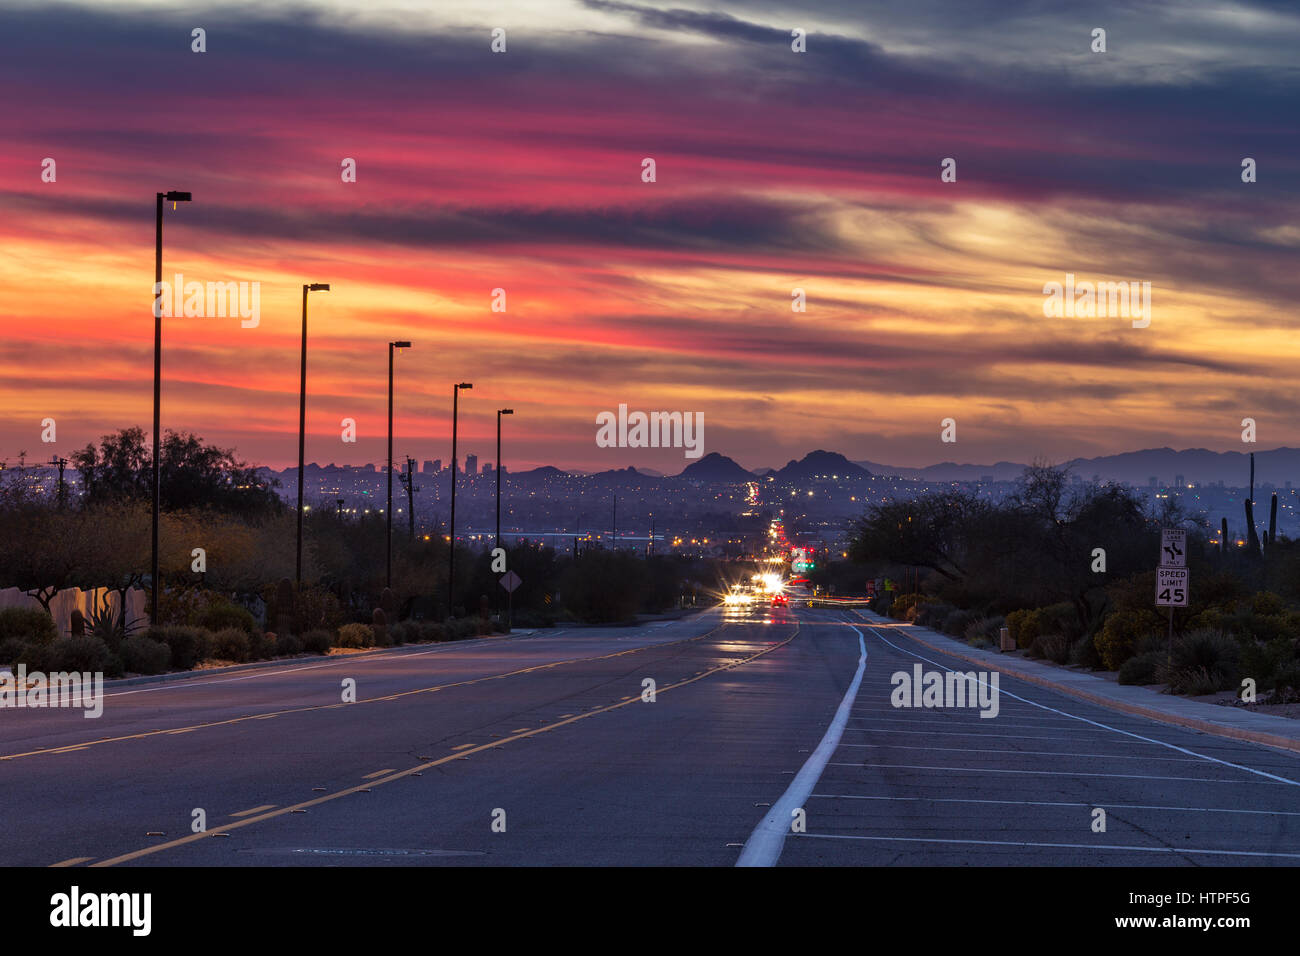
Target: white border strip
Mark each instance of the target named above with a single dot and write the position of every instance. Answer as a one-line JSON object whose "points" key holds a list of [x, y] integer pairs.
{"points": [[763, 848]]}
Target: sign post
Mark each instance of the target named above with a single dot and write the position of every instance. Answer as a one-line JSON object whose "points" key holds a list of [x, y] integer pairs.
{"points": [[510, 581], [1171, 576]]}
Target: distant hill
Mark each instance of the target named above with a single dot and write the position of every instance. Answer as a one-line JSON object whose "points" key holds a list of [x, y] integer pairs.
{"points": [[949, 471], [817, 463], [715, 467]]}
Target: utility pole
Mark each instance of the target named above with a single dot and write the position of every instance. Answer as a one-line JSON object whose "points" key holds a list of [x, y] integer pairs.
{"points": [[411, 489], [63, 463], [614, 534]]}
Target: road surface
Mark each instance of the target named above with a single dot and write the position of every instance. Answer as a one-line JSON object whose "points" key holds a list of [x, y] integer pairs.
{"points": [[544, 750]]}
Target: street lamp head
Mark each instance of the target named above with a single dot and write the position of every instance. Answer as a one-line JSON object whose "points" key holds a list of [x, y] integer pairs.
{"points": [[400, 345], [506, 411], [318, 287], [464, 385], [175, 196]]}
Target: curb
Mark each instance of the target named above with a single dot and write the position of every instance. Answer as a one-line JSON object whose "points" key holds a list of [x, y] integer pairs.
{"points": [[1137, 710]]}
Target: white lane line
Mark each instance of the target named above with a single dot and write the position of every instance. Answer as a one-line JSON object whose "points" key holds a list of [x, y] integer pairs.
{"points": [[954, 733], [763, 848], [1034, 773], [1027, 753], [1054, 846], [939, 725], [1054, 803], [1126, 733]]}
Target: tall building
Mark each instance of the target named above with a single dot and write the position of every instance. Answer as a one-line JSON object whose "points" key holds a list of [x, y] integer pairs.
{"points": [[437, 464], [471, 464], [487, 467], [429, 466]]}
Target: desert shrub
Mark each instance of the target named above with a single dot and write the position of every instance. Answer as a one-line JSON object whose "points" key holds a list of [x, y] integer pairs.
{"points": [[186, 646], [405, 632], [286, 645], [80, 654], [1025, 625], [230, 644], [432, 631], [356, 635], [317, 641], [956, 622], [1140, 668], [1201, 659], [1263, 660], [262, 645], [932, 614], [221, 614], [28, 624], [11, 648], [1124, 628], [1287, 677], [144, 655], [462, 629], [1083, 653], [1054, 647], [984, 629], [903, 603]]}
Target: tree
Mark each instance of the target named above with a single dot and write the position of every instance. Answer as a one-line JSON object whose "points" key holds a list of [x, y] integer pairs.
{"points": [[192, 474]]}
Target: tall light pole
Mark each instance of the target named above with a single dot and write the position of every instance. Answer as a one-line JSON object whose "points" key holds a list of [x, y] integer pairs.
{"points": [[500, 412], [389, 512], [302, 423], [451, 554], [173, 197]]}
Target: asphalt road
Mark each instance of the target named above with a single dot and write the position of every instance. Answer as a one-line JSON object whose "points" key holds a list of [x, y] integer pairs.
{"points": [[541, 750]]}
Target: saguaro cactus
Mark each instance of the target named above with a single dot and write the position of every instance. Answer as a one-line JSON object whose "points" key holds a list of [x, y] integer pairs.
{"points": [[78, 623], [379, 624], [285, 618]]}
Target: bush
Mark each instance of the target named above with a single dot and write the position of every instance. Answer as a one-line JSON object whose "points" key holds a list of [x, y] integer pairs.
{"points": [[1119, 636], [1083, 653], [286, 645], [261, 645], [432, 631], [185, 645], [356, 635], [1054, 647], [79, 654], [984, 630], [317, 641], [1141, 668], [1287, 677], [904, 603], [933, 614], [1025, 626], [461, 629], [230, 644], [1202, 662], [1263, 661], [221, 614], [956, 622], [28, 624], [11, 648], [144, 655], [405, 632]]}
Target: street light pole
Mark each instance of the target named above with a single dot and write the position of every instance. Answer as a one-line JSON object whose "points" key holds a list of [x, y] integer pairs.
{"points": [[451, 554], [302, 425], [389, 512], [500, 412], [174, 197]]}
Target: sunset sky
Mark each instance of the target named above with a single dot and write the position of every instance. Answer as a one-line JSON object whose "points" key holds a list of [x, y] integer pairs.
{"points": [[775, 170]]}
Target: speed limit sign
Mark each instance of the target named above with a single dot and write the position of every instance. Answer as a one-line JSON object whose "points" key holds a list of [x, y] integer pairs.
{"points": [[1171, 587]]}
